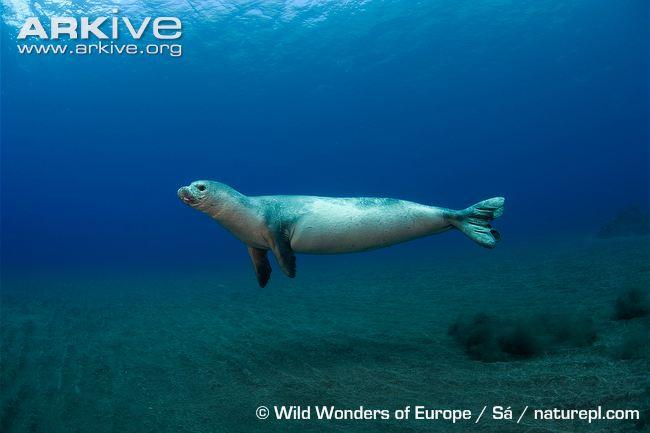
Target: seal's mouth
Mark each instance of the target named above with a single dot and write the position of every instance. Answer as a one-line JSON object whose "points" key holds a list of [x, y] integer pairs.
{"points": [[186, 196]]}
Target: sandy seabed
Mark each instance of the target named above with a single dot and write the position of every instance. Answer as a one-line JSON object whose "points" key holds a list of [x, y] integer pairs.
{"points": [[200, 352]]}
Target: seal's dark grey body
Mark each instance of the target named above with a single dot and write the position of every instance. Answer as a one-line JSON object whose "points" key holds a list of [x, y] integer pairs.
{"points": [[325, 225]]}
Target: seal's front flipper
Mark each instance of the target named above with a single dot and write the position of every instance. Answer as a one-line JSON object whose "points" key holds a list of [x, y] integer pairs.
{"points": [[474, 221], [261, 264], [281, 247]]}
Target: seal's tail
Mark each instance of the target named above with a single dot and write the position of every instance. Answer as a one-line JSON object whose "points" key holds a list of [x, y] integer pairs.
{"points": [[474, 221]]}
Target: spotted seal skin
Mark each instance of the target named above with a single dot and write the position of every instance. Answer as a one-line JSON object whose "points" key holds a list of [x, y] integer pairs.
{"points": [[289, 224]]}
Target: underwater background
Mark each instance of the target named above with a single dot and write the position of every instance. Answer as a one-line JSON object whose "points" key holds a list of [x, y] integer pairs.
{"points": [[123, 310]]}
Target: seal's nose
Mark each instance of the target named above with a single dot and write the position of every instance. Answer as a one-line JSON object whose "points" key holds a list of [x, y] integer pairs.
{"points": [[185, 195]]}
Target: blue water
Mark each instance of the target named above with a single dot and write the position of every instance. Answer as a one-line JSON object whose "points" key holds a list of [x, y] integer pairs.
{"points": [[440, 102]]}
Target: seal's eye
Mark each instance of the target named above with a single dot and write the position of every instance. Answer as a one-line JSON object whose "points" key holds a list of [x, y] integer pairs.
{"points": [[200, 187]]}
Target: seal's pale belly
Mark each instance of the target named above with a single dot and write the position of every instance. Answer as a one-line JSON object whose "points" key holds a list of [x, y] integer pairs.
{"points": [[331, 226]]}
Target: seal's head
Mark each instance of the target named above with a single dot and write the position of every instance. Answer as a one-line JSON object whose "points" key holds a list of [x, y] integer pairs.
{"points": [[195, 194], [210, 197]]}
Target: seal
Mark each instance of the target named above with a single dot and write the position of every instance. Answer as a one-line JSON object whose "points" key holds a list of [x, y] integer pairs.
{"points": [[289, 224]]}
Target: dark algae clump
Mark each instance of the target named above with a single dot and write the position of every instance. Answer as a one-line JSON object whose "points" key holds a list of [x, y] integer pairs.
{"points": [[490, 338], [631, 304]]}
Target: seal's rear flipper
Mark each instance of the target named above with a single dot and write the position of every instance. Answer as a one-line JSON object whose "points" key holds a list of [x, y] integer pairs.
{"points": [[261, 264], [474, 221]]}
